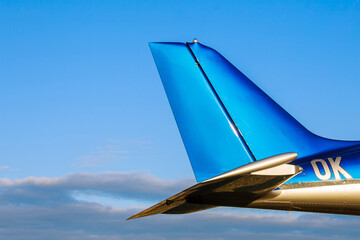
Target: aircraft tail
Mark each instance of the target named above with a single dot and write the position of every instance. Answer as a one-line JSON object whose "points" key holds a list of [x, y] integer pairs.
{"points": [[225, 120]]}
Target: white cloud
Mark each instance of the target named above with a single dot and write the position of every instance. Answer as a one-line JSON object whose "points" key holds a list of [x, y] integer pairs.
{"points": [[43, 208], [129, 185]]}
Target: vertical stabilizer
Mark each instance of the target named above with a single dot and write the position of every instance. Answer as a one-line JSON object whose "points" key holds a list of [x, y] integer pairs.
{"points": [[225, 120]]}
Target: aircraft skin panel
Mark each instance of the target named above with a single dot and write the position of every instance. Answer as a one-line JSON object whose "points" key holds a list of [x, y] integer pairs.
{"points": [[257, 116], [329, 167], [266, 127], [247, 183], [211, 140], [338, 199]]}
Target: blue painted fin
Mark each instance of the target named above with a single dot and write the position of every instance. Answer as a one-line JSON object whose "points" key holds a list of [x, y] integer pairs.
{"points": [[266, 127], [224, 119], [211, 139]]}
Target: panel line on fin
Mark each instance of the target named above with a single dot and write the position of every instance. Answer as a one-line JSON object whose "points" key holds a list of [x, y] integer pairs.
{"points": [[237, 130]]}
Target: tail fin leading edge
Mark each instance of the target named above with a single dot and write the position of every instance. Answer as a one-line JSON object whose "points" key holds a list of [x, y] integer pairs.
{"points": [[212, 141]]}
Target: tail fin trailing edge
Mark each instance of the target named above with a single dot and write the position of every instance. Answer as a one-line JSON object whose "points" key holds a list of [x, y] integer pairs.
{"points": [[265, 126]]}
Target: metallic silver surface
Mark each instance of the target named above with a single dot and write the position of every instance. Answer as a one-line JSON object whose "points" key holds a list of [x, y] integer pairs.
{"points": [[318, 184], [259, 165], [314, 199], [257, 191], [235, 188]]}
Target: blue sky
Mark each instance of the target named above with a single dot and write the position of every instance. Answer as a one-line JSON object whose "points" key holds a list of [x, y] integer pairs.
{"points": [[81, 100]]}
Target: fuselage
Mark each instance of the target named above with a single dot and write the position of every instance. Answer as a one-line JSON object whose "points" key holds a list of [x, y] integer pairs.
{"points": [[329, 183]]}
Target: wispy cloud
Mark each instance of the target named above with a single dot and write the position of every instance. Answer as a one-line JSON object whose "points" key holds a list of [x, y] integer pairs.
{"points": [[44, 208], [101, 156], [114, 150], [4, 167]]}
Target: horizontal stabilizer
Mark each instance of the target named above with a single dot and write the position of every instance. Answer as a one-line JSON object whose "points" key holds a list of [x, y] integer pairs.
{"points": [[246, 183]]}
